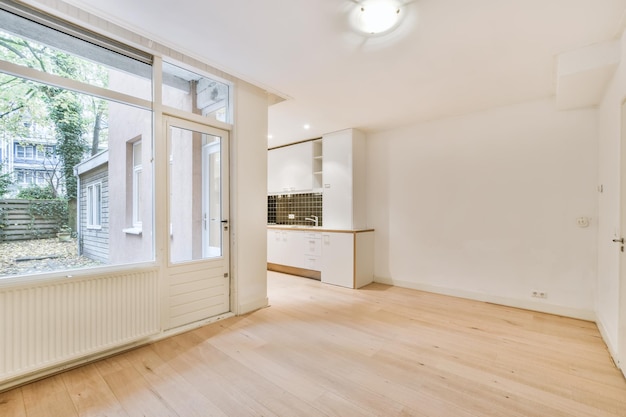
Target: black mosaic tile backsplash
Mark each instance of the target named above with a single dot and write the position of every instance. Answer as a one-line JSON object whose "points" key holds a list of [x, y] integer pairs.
{"points": [[301, 206]]}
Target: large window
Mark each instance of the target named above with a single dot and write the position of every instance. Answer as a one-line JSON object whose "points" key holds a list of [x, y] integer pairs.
{"points": [[78, 126], [69, 89], [64, 54]]}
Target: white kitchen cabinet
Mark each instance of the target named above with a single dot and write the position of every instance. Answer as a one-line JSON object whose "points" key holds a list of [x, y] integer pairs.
{"points": [[348, 258], [312, 245], [274, 246], [344, 258], [294, 248], [285, 247], [290, 168], [344, 180]]}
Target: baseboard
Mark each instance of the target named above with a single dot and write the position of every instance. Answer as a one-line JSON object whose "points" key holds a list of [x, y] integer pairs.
{"points": [[576, 313], [609, 342]]}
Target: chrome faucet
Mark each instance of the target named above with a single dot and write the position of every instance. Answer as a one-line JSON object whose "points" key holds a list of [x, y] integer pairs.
{"points": [[313, 219]]}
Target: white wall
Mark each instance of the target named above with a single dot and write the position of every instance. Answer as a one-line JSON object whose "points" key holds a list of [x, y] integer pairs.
{"points": [[249, 198], [485, 206], [609, 126]]}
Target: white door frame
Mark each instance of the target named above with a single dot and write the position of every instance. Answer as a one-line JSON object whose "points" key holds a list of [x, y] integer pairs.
{"points": [[621, 306]]}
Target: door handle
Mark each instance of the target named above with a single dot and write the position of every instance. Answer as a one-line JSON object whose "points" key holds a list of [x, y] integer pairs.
{"points": [[619, 240]]}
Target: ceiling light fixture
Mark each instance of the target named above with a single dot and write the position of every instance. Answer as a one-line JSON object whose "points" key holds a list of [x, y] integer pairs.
{"points": [[378, 16]]}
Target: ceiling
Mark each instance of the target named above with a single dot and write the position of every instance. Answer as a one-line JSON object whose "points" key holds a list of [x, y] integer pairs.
{"points": [[446, 58]]}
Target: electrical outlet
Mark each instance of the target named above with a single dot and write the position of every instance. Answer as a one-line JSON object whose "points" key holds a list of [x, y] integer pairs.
{"points": [[539, 294]]}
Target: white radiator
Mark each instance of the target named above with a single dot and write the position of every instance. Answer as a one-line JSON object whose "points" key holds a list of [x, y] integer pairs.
{"points": [[48, 324]]}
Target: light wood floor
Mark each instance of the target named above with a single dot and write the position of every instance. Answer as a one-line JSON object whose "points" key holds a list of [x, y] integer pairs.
{"points": [[321, 350]]}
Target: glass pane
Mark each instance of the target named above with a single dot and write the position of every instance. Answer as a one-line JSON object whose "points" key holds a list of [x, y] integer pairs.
{"points": [[195, 195], [137, 154], [86, 163], [186, 90], [33, 45]]}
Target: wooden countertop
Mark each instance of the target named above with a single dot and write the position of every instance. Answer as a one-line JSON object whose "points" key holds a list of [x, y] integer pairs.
{"points": [[320, 229]]}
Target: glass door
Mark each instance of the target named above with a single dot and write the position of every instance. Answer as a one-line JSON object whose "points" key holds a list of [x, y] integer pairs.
{"points": [[198, 267]]}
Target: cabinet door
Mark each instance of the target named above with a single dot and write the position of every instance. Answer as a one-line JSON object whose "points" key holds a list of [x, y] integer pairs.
{"points": [[337, 168], [292, 248], [274, 170], [300, 167], [338, 259], [312, 243], [290, 168], [274, 246]]}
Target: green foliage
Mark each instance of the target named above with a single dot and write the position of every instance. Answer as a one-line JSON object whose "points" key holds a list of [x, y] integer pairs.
{"points": [[63, 115], [57, 210], [3, 219], [65, 111], [35, 192], [6, 181]]}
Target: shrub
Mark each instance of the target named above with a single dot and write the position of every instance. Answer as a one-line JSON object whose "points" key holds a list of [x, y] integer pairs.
{"points": [[35, 192], [51, 209]]}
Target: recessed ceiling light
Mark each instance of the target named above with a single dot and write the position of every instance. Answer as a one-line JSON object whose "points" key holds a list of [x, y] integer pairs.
{"points": [[378, 16], [270, 136], [307, 126]]}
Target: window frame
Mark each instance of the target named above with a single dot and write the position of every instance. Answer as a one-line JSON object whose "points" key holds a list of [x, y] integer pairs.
{"points": [[137, 173], [56, 81], [25, 151], [93, 207]]}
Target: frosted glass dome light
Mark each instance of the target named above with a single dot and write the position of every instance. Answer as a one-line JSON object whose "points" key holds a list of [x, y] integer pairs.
{"points": [[378, 16]]}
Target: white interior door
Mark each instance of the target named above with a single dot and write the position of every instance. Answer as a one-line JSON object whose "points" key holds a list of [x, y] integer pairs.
{"points": [[198, 268]]}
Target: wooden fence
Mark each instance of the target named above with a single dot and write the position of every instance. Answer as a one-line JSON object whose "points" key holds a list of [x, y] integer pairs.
{"points": [[17, 221]]}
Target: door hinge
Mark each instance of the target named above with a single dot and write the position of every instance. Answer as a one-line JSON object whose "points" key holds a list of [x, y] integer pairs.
{"points": [[225, 274]]}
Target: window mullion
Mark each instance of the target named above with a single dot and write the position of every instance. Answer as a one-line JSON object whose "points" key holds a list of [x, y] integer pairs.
{"points": [[80, 87]]}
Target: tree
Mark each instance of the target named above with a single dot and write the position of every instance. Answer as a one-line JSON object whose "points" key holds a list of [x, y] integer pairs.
{"points": [[6, 182], [68, 115]]}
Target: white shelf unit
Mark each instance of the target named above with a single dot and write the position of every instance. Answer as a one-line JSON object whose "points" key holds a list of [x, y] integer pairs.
{"points": [[318, 164]]}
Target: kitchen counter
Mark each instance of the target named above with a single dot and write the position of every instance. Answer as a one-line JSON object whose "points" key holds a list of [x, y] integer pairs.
{"points": [[343, 257], [320, 229]]}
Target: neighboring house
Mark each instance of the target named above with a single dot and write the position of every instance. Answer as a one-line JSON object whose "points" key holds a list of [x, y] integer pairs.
{"points": [[32, 161], [93, 207]]}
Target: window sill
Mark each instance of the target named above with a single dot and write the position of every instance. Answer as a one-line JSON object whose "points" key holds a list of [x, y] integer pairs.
{"points": [[132, 231]]}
